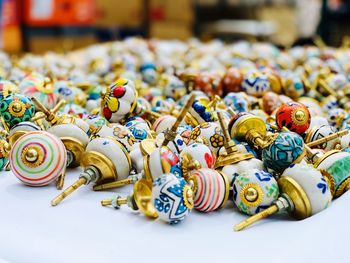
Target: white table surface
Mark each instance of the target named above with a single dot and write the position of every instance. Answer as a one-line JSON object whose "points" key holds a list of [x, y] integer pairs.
{"points": [[81, 230]]}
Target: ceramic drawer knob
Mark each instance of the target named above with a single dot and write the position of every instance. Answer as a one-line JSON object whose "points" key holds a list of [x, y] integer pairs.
{"points": [[199, 113], [119, 100], [160, 161], [254, 190], [105, 160], [211, 132], [200, 153], [16, 108], [211, 189], [118, 132], [321, 132], [337, 165], [172, 197], [255, 84], [163, 123], [95, 122], [21, 128], [176, 145], [7, 87], [233, 170], [288, 148], [36, 85], [304, 192], [38, 158], [294, 116]]}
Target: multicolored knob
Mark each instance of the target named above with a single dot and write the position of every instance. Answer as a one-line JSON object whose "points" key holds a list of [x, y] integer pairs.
{"points": [[119, 100], [75, 110], [254, 190], [293, 85], [201, 153], [294, 116], [36, 85], [210, 83], [304, 192], [255, 84], [7, 87], [163, 123], [160, 161], [199, 113], [271, 102], [174, 88], [149, 72], [16, 108], [38, 158], [172, 197], [176, 145], [337, 118], [337, 165], [237, 101], [95, 122], [231, 81], [118, 132], [286, 149], [211, 133], [233, 170], [211, 189], [139, 129], [71, 94]]}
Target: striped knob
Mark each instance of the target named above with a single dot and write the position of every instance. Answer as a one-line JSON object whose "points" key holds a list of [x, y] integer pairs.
{"points": [[37, 158]]}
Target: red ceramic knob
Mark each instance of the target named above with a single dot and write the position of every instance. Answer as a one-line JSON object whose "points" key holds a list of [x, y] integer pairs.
{"points": [[294, 116]]}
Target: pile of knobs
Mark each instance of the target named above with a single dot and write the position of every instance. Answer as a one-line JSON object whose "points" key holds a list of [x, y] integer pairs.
{"points": [[191, 125]]}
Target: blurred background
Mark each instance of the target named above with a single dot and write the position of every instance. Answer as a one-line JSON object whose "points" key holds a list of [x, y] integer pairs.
{"points": [[62, 25]]}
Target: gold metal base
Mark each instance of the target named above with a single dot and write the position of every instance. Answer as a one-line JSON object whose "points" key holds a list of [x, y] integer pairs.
{"points": [[302, 206], [15, 136], [147, 146], [142, 196], [75, 147], [227, 159], [108, 173]]}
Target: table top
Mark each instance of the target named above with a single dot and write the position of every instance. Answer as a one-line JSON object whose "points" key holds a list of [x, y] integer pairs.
{"points": [[80, 229]]}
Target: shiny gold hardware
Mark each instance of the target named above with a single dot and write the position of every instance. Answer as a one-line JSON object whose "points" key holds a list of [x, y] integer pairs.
{"points": [[49, 114], [171, 133], [141, 199]]}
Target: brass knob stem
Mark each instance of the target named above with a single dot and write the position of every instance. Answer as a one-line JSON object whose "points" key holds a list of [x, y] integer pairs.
{"points": [[251, 220], [327, 138], [130, 180], [68, 191], [229, 145], [170, 134]]}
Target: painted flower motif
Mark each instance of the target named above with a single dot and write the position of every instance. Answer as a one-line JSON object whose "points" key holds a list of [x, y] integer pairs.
{"points": [[195, 133], [217, 140], [209, 159]]}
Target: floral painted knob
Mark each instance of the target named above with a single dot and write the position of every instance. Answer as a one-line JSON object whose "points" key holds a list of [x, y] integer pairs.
{"points": [[233, 170], [201, 153], [294, 116], [211, 189], [211, 133], [119, 100], [16, 108], [95, 122], [75, 110], [36, 85], [254, 191], [38, 158], [286, 149], [139, 129], [172, 197], [118, 132], [270, 102]]}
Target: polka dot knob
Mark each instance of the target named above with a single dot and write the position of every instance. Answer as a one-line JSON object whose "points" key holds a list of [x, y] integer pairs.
{"points": [[119, 100], [294, 116], [16, 108], [254, 191], [38, 158], [172, 197]]}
